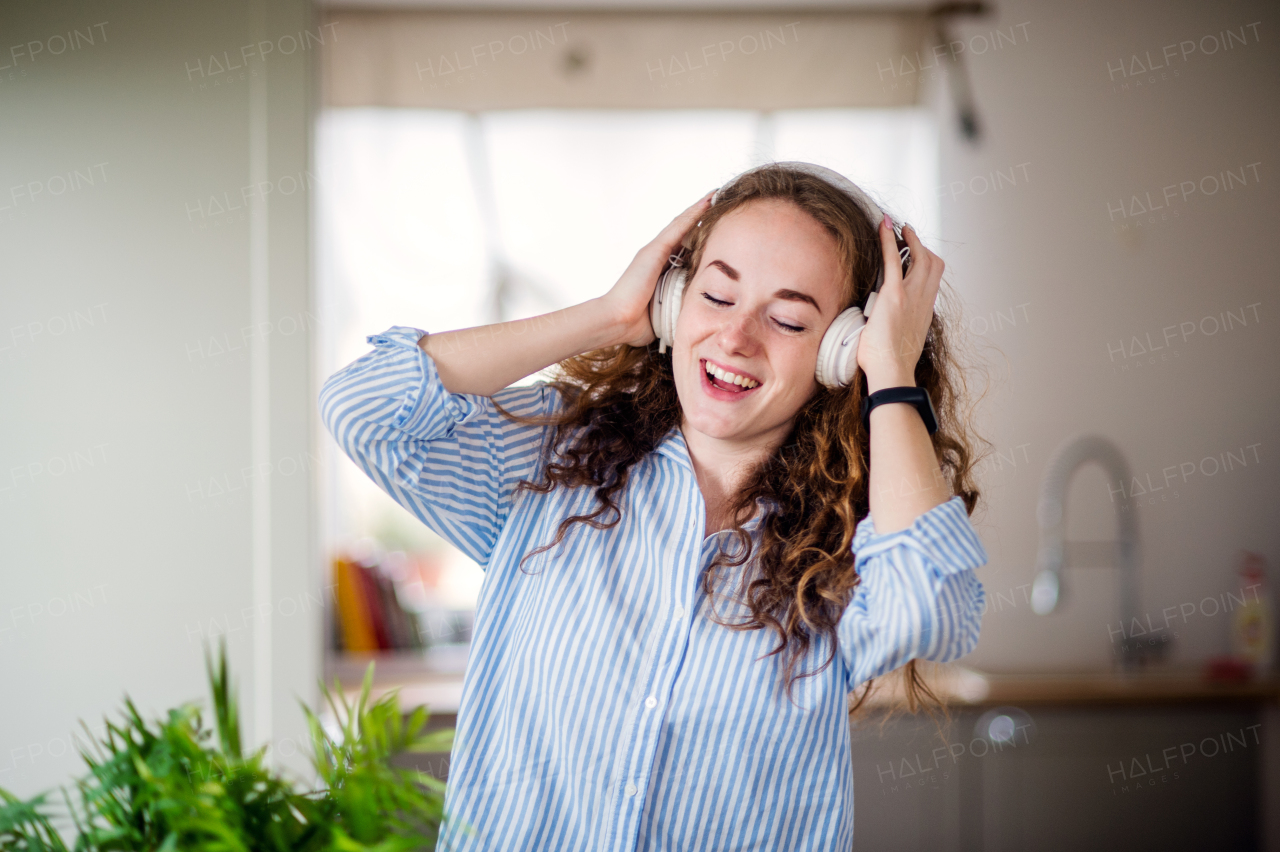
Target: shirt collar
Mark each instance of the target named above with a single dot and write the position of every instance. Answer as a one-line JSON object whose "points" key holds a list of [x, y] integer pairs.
{"points": [[673, 445]]}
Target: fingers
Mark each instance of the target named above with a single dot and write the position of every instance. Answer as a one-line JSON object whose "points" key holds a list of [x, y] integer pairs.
{"points": [[889, 246], [930, 264], [909, 308], [925, 264], [697, 208], [683, 223]]}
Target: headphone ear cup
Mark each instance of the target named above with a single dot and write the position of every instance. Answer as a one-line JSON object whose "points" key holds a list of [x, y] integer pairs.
{"points": [[838, 352], [665, 306]]}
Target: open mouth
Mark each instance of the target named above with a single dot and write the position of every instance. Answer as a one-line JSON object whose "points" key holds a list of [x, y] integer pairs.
{"points": [[725, 384]]}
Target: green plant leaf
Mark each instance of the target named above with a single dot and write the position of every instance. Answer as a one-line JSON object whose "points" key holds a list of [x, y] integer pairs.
{"points": [[224, 701], [164, 785]]}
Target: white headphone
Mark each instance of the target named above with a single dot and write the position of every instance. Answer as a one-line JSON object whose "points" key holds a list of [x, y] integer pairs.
{"points": [[838, 352]]}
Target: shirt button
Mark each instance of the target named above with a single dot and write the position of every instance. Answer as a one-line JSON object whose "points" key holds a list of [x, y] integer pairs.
{"points": [[679, 612], [651, 702], [631, 789]]}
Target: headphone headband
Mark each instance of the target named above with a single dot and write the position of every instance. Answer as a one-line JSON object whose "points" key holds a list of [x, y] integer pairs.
{"points": [[831, 176], [874, 212]]}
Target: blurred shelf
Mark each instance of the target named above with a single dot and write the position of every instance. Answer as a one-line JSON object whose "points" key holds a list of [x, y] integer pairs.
{"points": [[438, 661], [1159, 686], [441, 697], [434, 679]]}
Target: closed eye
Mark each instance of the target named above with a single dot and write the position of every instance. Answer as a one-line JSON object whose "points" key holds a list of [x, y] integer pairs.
{"points": [[719, 303]]}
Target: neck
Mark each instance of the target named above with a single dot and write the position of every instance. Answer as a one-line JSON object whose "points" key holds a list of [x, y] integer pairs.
{"points": [[721, 468]]}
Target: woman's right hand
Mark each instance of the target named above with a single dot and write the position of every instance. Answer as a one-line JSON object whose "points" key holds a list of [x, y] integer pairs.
{"points": [[485, 359], [629, 298]]}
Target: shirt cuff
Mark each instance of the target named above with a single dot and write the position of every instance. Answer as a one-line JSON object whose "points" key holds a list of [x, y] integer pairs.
{"points": [[401, 335], [944, 535], [429, 410]]}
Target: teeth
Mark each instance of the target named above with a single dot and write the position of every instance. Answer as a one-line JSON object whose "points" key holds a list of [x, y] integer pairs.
{"points": [[730, 378]]}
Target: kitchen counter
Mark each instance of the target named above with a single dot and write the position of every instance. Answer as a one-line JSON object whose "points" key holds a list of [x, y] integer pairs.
{"points": [[439, 685], [960, 686]]}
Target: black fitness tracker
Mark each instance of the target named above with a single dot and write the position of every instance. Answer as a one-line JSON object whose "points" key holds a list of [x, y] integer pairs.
{"points": [[917, 396]]}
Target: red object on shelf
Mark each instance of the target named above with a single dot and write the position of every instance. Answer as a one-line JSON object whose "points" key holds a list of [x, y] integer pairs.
{"points": [[377, 607], [1228, 670]]}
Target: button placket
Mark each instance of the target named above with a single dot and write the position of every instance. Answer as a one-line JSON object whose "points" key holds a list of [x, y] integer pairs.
{"points": [[646, 740], [658, 675]]}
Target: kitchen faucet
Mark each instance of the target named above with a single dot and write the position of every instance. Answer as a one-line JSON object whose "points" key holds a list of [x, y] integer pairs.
{"points": [[1052, 556]]}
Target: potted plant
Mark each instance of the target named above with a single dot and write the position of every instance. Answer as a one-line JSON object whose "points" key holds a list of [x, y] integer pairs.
{"points": [[165, 785]]}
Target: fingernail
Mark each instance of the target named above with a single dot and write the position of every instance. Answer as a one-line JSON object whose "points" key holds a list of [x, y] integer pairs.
{"points": [[888, 222]]}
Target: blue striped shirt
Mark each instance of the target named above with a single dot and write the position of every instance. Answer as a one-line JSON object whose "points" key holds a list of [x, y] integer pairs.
{"points": [[601, 709]]}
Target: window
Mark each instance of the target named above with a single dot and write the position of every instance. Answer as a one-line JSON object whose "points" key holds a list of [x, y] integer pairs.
{"points": [[445, 219]]}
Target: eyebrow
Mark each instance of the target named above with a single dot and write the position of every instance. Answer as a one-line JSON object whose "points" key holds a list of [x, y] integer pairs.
{"points": [[784, 293]]}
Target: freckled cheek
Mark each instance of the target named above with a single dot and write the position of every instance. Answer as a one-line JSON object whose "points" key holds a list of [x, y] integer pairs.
{"points": [[796, 360], [691, 328], [697, 321]]}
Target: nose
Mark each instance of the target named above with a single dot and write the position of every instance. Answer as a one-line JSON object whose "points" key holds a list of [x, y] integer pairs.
{"points": [[739, 332]]}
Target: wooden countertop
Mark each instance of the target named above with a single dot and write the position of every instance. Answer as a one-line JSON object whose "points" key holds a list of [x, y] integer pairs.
{"points": [[960, 687], [438, 684]]}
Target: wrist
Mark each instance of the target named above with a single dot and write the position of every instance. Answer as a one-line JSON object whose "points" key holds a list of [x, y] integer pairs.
{"points": [[889, 379], [611, 327], [906, 394], [618, 326]]}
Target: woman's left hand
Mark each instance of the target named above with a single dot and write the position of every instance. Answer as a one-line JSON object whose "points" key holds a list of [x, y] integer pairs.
{"points": [[893, 338]]}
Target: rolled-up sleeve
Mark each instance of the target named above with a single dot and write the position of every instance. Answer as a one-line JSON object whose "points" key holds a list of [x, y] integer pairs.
{"points": [[918, 596], [451, 459]]}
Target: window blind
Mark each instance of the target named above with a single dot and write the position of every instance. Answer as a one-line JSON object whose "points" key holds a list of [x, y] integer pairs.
{"points": [[491, 59]]}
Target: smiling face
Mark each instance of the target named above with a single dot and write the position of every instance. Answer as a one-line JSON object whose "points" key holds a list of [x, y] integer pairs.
{"points": [[768, 285]]}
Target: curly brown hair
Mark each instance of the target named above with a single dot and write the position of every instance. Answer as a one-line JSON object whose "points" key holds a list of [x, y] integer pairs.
{"points": [[621, 401]]}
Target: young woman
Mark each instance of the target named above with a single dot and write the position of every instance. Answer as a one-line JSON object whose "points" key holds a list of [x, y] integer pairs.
{"points": [[687, 573]]}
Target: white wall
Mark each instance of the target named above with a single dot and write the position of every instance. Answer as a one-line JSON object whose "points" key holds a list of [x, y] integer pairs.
{"points": [[120, 415], [1048, 253]]}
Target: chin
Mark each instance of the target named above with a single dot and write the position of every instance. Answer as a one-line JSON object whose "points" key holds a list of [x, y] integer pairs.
{"points": [[721, 425], [712, 427], [696, 415]]}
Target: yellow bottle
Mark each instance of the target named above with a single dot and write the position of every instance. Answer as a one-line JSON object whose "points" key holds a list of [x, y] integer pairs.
{"points": [[1252, 628]]}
